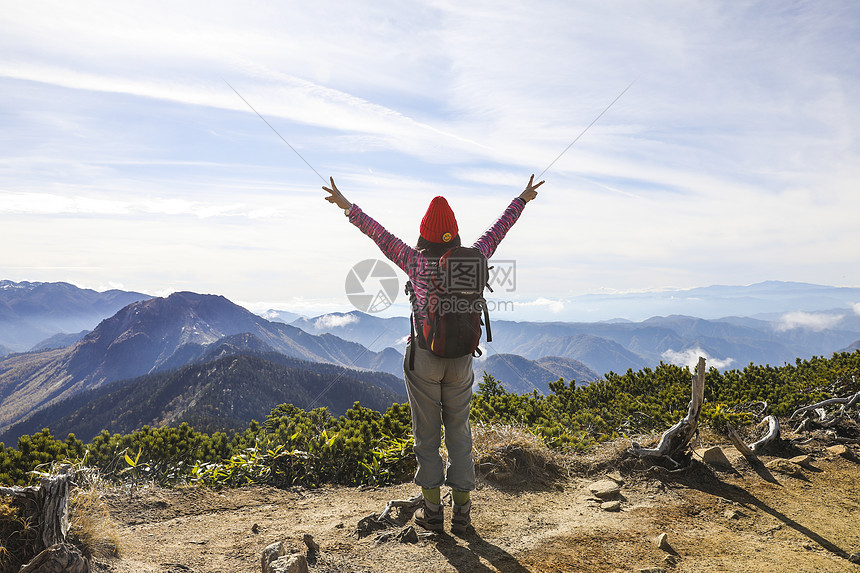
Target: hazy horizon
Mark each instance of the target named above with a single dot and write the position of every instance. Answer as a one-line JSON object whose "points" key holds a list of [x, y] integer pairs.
{"points": [[128, 162]]}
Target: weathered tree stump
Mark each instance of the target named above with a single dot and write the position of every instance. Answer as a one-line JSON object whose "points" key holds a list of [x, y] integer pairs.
{"points": [[675, 440], [49, 509]]}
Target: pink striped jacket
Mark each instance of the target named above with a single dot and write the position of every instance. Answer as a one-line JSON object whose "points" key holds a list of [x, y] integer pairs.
{"points": [[413, 262]]}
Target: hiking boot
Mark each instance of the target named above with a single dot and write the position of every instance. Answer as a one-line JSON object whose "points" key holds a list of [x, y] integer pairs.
{"points": [[431, 516], [461, 521]]}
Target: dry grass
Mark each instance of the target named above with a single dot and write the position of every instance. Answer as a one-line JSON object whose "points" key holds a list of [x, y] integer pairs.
{"points": [[18, 539], [91, 524], [514, 455], [91, 527]]}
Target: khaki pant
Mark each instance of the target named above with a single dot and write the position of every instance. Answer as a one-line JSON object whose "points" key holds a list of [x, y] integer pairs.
{"points": [[440, 393]]}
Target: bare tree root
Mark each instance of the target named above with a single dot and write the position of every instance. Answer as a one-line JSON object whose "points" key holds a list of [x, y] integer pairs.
{"points": [[752, 450]]}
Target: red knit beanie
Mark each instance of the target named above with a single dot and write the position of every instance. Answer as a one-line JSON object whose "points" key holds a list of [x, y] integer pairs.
{"points": [[439, 224]]}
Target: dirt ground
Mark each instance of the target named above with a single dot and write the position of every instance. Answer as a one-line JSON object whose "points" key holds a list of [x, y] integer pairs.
{"points": [[741, 518]]}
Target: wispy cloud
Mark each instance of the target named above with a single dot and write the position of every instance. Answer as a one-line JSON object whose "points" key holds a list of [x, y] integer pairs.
{"points": [[52, 204], [808, 320], [690, 357], [554, 306], [335, 320], [732, 159]]}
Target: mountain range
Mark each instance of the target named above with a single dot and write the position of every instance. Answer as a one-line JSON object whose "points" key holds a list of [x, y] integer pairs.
{"points": [[616, 346], [521, 375], [160, 334], [766, 300], [235, 381], [30, 312], [183, 348]]}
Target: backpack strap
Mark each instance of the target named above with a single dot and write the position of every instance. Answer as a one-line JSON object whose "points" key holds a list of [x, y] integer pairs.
{"points": [[412, 342], [487, 321]]}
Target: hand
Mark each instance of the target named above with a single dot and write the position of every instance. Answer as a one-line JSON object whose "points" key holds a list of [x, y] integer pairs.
{"points": [[530, 192], [336, 196]]}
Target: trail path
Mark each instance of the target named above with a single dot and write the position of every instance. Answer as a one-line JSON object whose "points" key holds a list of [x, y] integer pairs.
{"points": [[740, 519]]}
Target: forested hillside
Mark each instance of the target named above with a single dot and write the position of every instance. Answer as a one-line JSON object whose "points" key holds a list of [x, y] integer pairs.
{"points": [[220, 395], [162, 334], [293, 446]]}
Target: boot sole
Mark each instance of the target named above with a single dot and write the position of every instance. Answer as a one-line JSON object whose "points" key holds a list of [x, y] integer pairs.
{"points": [[431, 526]]}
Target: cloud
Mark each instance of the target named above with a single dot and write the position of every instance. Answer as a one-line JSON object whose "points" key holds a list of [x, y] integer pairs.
{"points": [[55, 204], [856, 307], [402, 341], [335, 321], [690, 358], [811, 321], [741, 111], [554, 306]]}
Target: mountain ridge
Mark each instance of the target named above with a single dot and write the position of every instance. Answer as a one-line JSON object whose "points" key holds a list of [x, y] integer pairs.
{"points": [[148, 336], [30, 312], [221, 394]]}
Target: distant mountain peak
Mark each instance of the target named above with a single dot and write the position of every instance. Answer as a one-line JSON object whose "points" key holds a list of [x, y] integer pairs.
{"points": [[152, 335], [23, 285]]}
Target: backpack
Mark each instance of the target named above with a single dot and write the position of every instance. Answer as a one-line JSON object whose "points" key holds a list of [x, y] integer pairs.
{"points": [[455, 305]]}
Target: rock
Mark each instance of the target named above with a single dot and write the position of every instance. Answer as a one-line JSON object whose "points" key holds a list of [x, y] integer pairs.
{"points": [[295, 563], [616, 477], [784, 466], [805, 460], [841, 450], [670, 560], [605, 489], [313, 546], [255, 528], [713, 456], [733, 514], [854, 558], [611, 505], [271, 554], [662, 542]]}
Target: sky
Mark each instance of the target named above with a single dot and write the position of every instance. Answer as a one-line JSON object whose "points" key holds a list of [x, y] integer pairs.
{"points": [[128, 161]]}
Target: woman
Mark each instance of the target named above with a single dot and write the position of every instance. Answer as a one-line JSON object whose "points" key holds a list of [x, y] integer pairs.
{"points": [[439, 389]]}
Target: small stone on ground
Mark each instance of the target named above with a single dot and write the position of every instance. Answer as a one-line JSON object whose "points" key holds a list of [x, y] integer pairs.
{"points": [[611, 505], [784, 466], [605, 489], [714, 456]]}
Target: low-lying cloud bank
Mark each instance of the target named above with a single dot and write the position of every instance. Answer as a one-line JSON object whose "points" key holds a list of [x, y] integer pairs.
{"points": [[690, 357], [808, 320]]}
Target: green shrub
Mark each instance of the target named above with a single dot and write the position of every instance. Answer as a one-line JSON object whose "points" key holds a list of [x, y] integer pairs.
{"points": [[296, 447]]}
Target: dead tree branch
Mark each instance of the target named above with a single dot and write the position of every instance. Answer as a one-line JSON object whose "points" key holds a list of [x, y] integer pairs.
{"points": [[675, 440], [752, 450], [847, 402], [411, 503]]}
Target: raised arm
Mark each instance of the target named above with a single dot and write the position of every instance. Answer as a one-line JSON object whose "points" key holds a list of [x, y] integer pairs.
{"points": [[336, 197], [393, 248], [530, 191], [489, 241]]}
